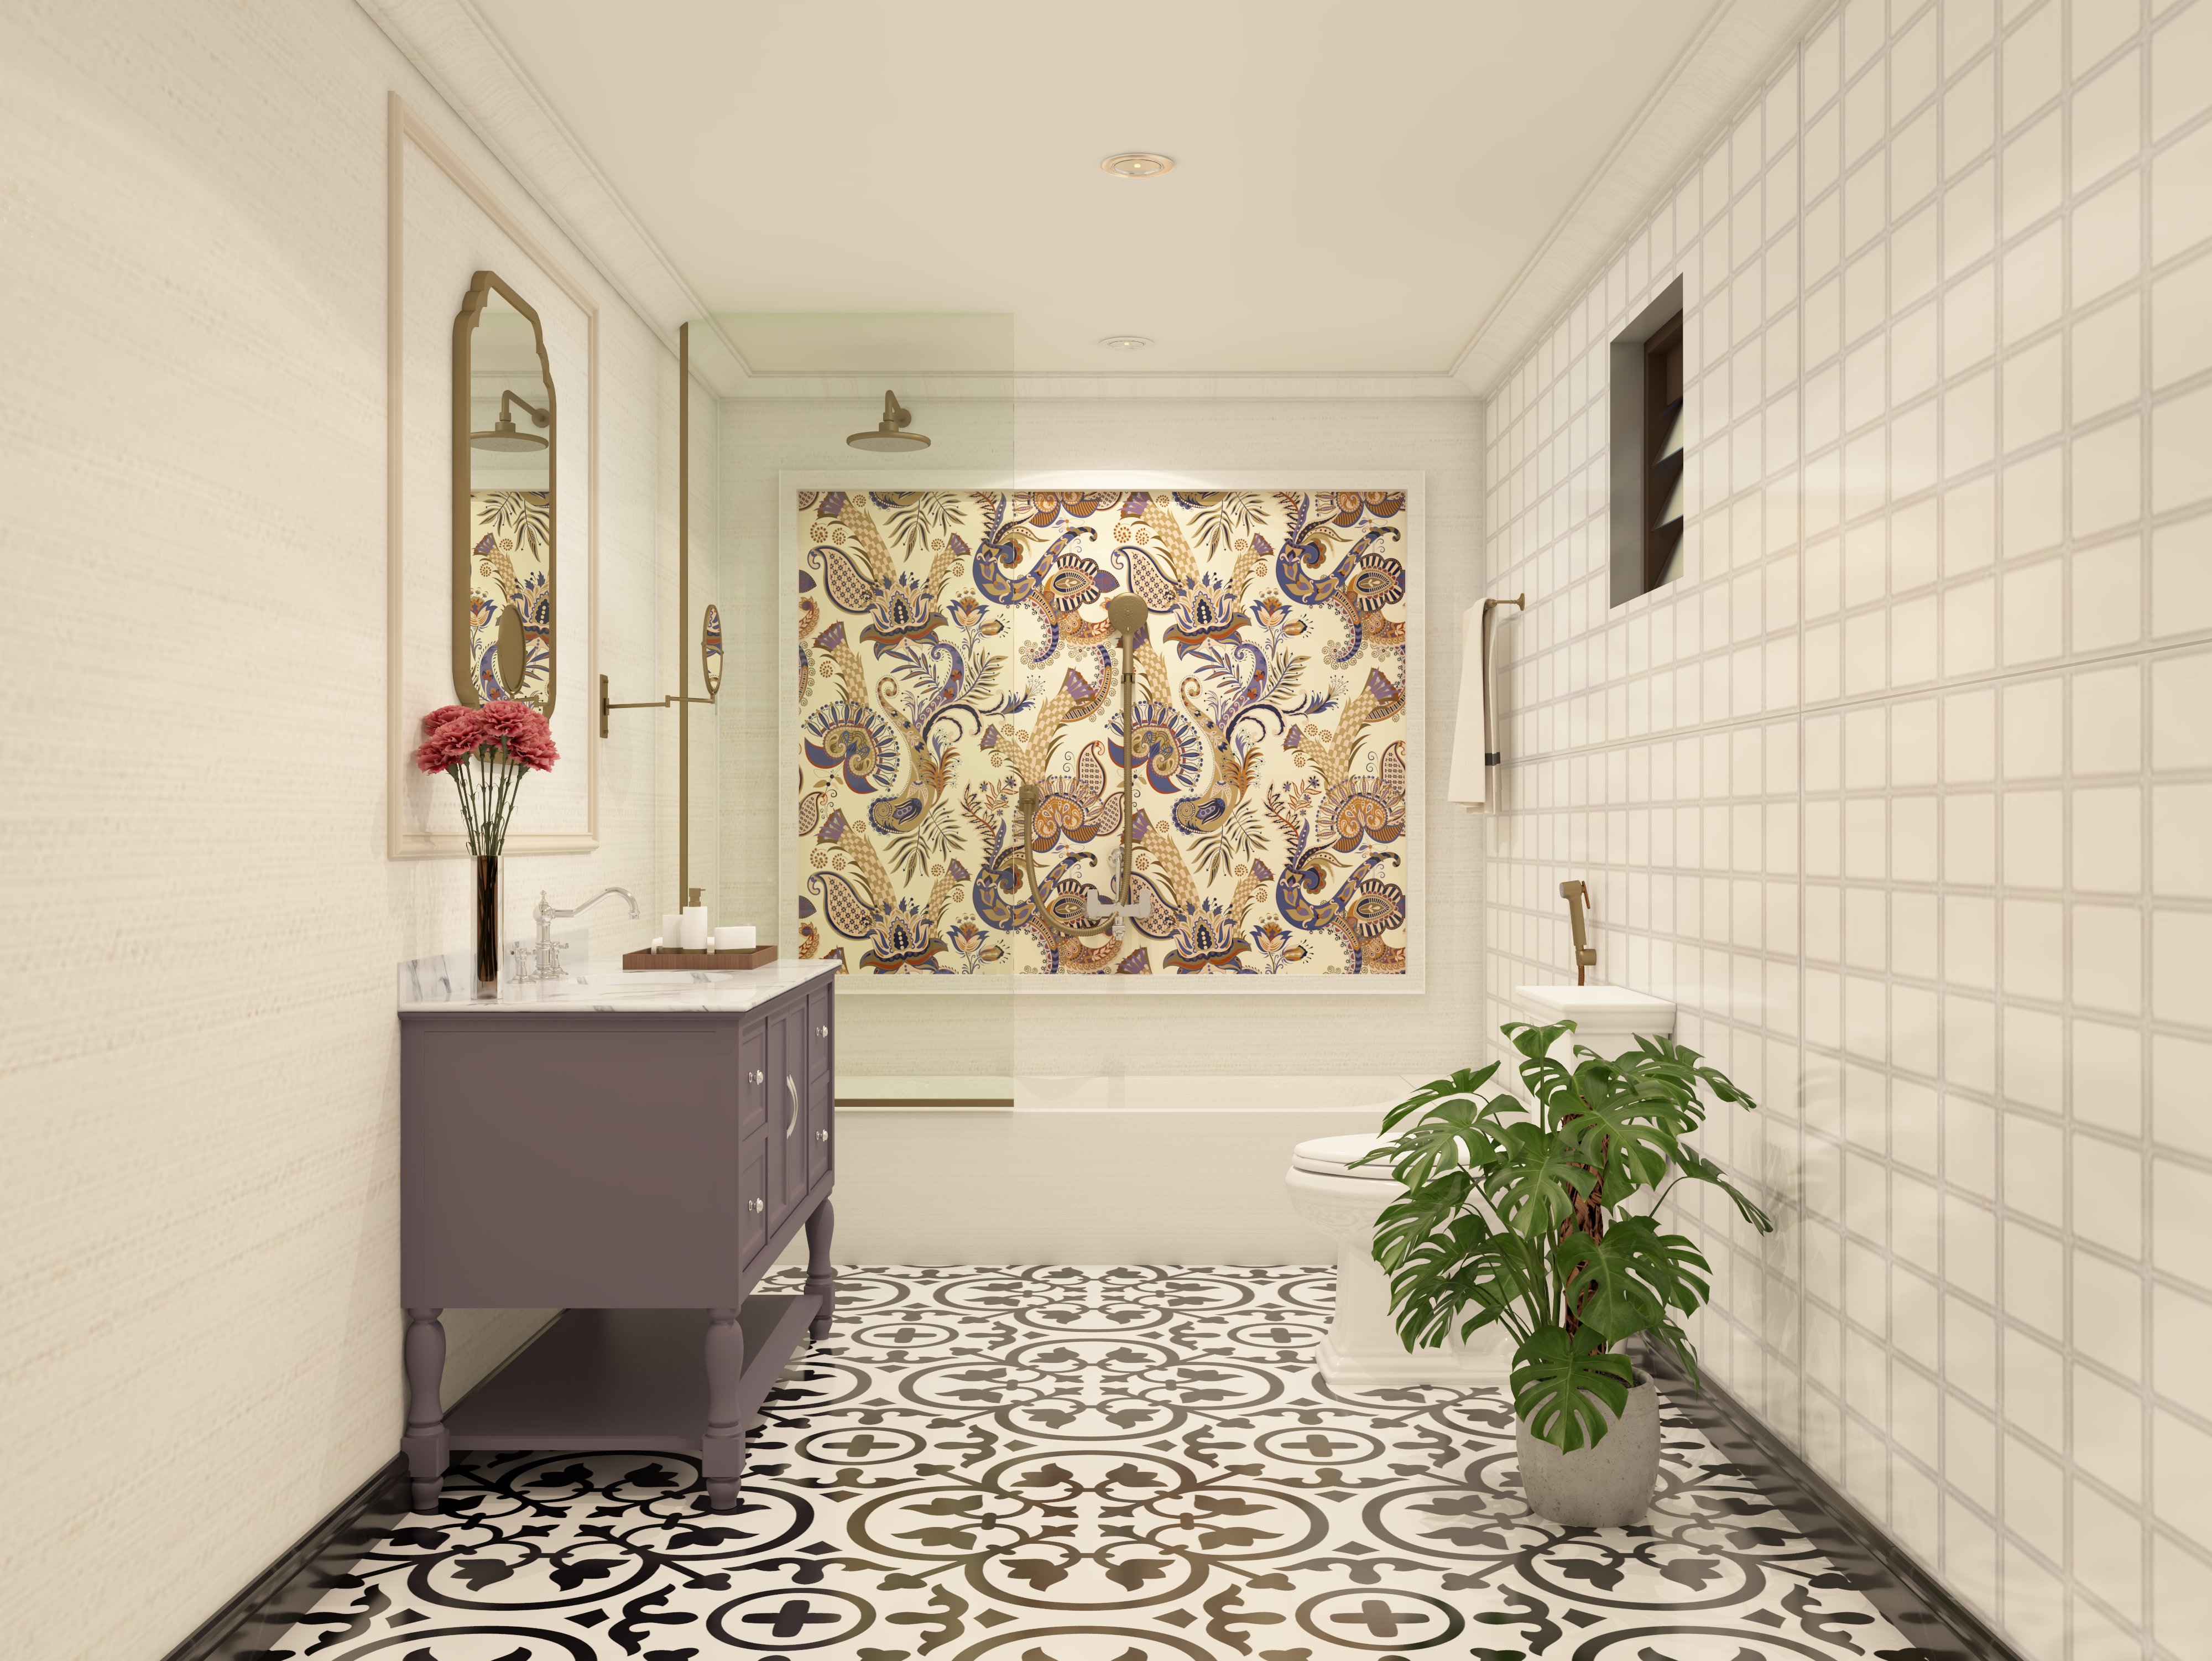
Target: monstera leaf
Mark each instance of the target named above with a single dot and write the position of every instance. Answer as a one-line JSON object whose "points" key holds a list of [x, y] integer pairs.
{"points": [[1533, 1184], [1632, 1139], [1465, 1082], [1623, 1281], [1458, 1134], [1698, 1168], [1469, 1274], [1562, 1389]]}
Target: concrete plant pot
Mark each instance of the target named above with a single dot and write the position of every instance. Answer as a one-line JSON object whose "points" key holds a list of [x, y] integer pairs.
{"points": [[1605, 1487]]}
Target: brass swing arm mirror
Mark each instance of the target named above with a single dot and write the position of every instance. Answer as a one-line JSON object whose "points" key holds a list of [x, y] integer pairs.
{"points": [[710, 672], [505, 503]]}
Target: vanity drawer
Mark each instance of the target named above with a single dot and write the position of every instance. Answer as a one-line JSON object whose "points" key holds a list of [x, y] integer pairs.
{"points": [[752, 1080], [821, 1032], [752, 1201], [820, 1130]]}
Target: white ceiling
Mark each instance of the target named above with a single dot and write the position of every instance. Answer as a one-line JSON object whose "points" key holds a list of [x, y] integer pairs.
{"points": [[1357, 185]]}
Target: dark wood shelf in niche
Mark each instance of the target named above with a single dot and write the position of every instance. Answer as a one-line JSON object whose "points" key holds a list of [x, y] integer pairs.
{"points": [[626, 1379]]}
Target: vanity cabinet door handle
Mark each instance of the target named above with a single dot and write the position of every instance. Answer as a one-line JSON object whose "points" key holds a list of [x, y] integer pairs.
{"points": [[791, 1123], [821, 1032], [821, 1135], [757, 1075], [756, 1206]]}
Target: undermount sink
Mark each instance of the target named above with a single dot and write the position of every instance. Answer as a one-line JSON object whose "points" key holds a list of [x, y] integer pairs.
{"points": [[638, 977]]}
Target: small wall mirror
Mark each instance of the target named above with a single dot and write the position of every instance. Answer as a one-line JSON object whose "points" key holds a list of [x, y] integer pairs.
{"points": [[710, 651], [505, 505]]}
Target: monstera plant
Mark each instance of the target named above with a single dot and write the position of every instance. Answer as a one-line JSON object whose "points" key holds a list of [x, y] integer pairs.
{"points": [[1541, 1216]]}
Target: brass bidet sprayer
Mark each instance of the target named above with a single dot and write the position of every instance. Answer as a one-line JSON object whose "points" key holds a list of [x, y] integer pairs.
{"points": [[1125, 614], [1576, 893]]}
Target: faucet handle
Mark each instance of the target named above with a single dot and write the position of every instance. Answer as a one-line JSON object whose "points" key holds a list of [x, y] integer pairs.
{"points": [[553, 970]]}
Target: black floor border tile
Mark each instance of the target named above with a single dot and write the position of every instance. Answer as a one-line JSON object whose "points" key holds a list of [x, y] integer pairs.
{"points": [[251, 1622], [1890, 1577]]}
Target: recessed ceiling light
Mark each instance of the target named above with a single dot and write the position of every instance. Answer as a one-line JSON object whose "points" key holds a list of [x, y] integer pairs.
{"points": [[1126, 342], [1137, 164]]}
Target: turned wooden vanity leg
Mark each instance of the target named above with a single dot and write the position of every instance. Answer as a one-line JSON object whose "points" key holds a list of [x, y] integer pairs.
{"points": [[821, 1278], [423, 1352], [722, 1459]]}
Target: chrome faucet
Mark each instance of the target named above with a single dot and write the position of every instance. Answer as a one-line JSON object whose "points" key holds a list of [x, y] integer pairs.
{"points": [[544, 960]]}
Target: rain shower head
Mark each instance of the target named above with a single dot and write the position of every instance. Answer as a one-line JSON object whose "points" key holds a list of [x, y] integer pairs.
{"points": [[890, 433]]}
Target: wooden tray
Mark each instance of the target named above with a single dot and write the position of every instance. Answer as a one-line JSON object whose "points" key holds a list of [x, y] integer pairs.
{"points": [[665, 958]]}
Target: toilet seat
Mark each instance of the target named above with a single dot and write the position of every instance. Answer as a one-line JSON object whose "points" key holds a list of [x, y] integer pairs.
{"points": [[1331, 1156]]}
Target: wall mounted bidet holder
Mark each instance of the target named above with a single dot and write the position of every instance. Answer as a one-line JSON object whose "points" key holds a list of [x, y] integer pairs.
{"points": [[541, 962], [1576, 892]]}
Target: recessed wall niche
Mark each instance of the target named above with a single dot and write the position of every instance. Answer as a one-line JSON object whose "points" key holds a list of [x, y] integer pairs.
{"points": [[1647, 448]]}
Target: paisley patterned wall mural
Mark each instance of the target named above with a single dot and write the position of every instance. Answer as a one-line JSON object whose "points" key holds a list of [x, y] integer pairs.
{"points": [[953, 647]]}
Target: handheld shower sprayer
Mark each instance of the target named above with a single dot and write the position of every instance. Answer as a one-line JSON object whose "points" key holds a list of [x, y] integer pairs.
{"points": [[1576, 892], [1125, 615]]}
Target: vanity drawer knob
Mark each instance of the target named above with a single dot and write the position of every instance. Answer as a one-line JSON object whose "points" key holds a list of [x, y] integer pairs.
{"points": [[821, 1032], [757, 1076], [756, 1206], [821, 1135]]}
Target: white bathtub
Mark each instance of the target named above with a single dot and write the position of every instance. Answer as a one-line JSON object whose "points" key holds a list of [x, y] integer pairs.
{"points": [[1151, 1168]]}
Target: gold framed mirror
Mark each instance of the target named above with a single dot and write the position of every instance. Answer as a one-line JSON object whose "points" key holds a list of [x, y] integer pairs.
{"points": [[506, 506]]}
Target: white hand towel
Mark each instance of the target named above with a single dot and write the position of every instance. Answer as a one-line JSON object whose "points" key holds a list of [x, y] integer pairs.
{"points": [[1473, 750]]}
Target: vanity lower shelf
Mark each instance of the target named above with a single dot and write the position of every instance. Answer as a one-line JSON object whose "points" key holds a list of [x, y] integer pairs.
{"points": [[624, 1378]]}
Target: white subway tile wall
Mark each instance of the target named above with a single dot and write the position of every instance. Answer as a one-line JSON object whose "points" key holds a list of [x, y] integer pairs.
{"points": [[1904, 789]]}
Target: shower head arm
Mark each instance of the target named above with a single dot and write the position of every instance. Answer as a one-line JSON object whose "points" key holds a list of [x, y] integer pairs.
{"points": [[508, 398]]}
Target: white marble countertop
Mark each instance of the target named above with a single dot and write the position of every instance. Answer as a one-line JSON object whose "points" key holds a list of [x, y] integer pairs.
{"points": [[609, 989]]}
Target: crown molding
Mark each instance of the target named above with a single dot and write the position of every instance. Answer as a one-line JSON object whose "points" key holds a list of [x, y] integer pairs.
{"points": [[468, 65], [1729, 60], [1030, 386], [463, 58]]}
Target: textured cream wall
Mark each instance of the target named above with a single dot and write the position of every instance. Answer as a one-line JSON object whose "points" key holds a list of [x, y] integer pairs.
{"points": [[1903, 790], [1189, 1031], [199, 1330]]}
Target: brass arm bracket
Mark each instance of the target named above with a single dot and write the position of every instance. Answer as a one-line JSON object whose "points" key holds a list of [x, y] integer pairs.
{"points": [[607, 705]]}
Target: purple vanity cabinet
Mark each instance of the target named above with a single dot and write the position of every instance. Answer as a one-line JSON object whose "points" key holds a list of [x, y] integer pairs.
{"points": [[639, 1169]]}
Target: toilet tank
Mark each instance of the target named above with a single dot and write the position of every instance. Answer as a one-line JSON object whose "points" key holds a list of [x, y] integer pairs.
{"points": [[1607, 1018]]}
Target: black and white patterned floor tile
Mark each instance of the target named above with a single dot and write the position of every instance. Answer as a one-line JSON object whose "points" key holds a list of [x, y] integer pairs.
{"points": [[1088, 1465]]}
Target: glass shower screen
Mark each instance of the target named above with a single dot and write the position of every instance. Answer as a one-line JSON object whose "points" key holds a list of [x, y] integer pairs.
{"points": [[866, 466]]}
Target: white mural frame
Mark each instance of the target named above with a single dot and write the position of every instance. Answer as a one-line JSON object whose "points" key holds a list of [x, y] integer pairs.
{"points": [[792, 480], [401, 727]]}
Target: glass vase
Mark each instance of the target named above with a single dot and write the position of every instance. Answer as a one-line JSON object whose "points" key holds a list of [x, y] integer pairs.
{"points": [[491, 918]]}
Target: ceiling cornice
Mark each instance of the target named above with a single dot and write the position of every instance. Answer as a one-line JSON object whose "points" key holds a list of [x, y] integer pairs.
{"points": [[1729, 60], [463, 58], [1029, 387]]}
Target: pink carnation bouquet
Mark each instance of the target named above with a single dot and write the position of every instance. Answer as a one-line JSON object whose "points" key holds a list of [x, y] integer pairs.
{"points": [[485, 752]]}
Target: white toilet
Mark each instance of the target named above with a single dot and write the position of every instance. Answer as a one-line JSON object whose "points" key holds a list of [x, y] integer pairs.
{"points": [[1361, 1349]]}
